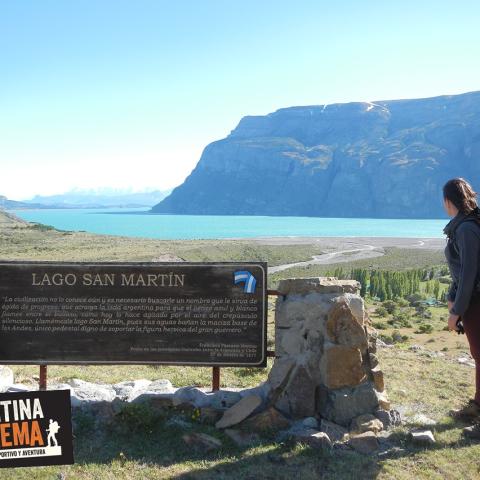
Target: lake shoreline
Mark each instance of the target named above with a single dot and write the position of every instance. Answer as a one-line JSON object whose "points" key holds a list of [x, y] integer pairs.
{"points": [[286, 256], [340, 242], [136, 224]]}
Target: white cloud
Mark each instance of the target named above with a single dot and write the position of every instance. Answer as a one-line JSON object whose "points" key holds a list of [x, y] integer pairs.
{"points": [[127, 169]]}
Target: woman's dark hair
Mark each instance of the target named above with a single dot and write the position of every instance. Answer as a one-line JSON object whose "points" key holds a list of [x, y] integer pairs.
{"points": [[461, 194]]}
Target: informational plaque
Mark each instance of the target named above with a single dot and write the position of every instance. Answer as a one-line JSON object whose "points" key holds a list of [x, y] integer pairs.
{"points": [[111, 313]]}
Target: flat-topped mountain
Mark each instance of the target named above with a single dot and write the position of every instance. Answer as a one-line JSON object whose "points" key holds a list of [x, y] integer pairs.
{"points": [[381, 159]]}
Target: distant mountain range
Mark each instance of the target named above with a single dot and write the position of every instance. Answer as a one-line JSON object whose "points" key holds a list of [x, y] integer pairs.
{"points": [[7, 204], [102, 198], [382, 159]]}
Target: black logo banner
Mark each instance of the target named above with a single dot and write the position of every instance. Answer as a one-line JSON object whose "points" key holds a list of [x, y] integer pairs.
{"points": [[35, 429]]}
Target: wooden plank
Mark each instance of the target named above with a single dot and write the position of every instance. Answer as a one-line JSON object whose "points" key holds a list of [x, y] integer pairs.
{"points": [[275, 293], [215, 379], [42, 382]]}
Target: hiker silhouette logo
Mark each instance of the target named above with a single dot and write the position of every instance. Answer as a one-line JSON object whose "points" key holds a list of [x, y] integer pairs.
{"points": [[52, 432], [35, 429]]}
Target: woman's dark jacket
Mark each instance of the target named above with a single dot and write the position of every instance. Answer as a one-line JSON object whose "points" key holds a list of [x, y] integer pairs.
{"points": [[463, 256]]}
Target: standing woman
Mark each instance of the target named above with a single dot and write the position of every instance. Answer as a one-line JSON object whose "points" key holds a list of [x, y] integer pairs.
{"points": [[463, 256]]}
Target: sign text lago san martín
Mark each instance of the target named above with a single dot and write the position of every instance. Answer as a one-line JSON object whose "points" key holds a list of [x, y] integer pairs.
{"points": [[171, 313]]}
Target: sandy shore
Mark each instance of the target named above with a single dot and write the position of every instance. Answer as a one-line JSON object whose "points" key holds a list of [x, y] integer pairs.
{"points": [[347, 249], [353, 242]]}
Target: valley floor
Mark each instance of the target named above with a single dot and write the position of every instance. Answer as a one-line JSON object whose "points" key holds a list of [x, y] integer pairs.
{"points": [[423, 374]]}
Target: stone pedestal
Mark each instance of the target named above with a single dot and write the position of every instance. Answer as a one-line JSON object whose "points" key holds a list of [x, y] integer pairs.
{"points": [[325, 361]]}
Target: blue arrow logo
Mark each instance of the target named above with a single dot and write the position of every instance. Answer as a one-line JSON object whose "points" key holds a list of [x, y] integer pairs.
{"points": [[247, 278]]}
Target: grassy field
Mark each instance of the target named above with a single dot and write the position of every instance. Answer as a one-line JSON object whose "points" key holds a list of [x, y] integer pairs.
{"points": [[142, 445], [394, 259], [22, 241]]}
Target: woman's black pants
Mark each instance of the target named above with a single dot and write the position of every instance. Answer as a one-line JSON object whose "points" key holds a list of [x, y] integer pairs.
{"points": [[471, 324]]}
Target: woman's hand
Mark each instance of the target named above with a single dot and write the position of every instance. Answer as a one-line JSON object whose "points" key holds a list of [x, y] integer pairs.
{"points": [[452, 319], [452, 322]]}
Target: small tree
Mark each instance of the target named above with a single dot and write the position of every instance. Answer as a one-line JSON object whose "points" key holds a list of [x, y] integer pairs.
{"points": [[420, 308], [390, 306], [381, 311], [414, 298]]}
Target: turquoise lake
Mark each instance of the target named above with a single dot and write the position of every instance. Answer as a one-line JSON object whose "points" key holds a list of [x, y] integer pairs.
{"points": [[138, 223]]}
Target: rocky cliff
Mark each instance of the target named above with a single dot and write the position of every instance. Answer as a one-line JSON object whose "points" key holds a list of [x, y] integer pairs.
{"points": [[382, 159]]}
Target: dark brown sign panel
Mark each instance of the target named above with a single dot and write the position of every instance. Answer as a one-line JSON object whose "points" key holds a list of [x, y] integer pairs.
{"points": [[171, 313]]}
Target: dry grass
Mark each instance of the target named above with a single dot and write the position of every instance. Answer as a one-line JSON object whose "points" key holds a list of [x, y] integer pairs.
{"points": [[417, 382]]}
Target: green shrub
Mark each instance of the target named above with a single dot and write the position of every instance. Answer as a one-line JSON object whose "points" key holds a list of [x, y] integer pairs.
{"points": [[395, 337], [390, 306], [42, 227], [425, 328], [386, 338], [246, 371], [138, 417], [420, 308], [414, 299], [400, 320], [83, 422], [381, 311], [379, 325]]}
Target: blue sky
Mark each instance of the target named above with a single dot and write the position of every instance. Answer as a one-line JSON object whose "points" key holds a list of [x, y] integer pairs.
{"points": [[126, 94]]}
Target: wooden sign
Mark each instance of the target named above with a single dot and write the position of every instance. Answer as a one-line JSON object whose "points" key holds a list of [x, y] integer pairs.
{"points": [[99, 313]]}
